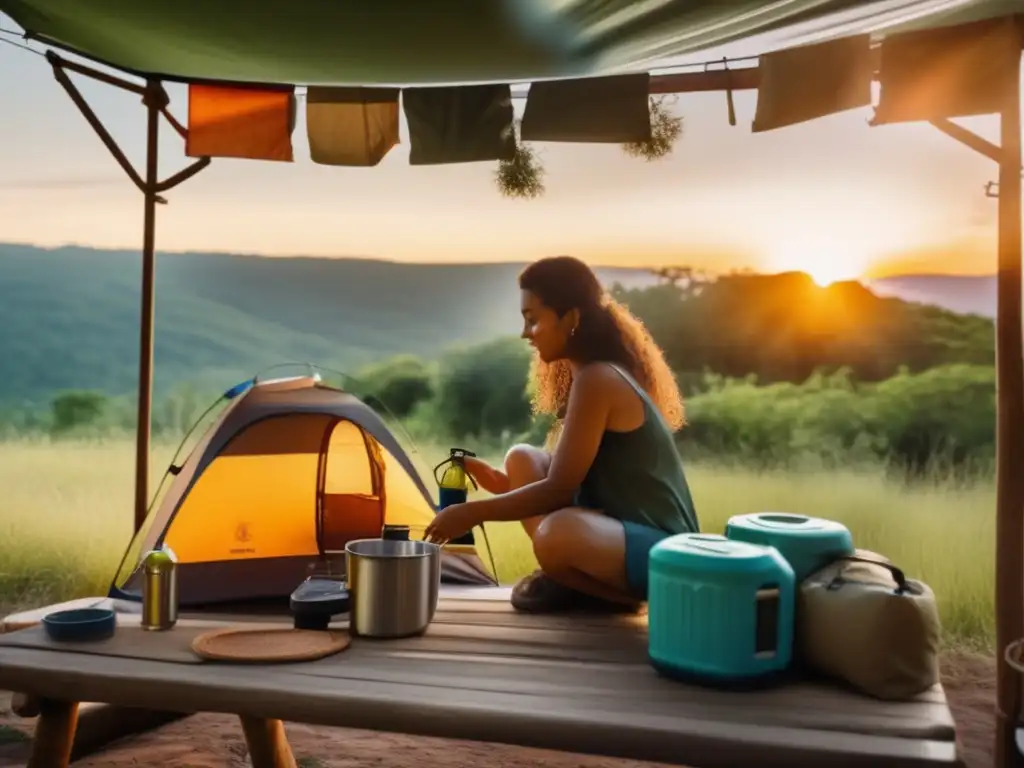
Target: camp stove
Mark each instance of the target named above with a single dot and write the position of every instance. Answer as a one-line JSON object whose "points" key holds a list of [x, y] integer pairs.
{"points": [[317, 601], [323, 595]]}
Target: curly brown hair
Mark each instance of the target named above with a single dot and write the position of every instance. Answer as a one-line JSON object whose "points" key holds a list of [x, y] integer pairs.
{"points": [[607, 332]]}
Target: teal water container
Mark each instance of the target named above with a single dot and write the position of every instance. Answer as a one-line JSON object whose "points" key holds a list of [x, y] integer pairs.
{"points": [[719, 611], [808, 543]]}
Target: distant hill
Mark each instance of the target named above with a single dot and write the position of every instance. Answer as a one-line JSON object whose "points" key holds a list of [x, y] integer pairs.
{"points": [[967, 295], [70, 315]]}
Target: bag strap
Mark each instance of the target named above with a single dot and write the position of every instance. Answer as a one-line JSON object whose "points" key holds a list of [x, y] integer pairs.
{"points": [[897, 574]]}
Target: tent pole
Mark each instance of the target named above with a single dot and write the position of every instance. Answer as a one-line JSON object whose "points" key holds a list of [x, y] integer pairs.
{"points": [[153, 104], [1010, 429]]}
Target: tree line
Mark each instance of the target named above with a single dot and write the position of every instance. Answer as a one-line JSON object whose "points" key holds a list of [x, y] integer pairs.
{"points": [[775, 370]]}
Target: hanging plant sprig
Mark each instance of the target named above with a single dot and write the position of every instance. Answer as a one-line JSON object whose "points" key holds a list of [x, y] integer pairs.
{"points": [[666, 129], [523, 175]]}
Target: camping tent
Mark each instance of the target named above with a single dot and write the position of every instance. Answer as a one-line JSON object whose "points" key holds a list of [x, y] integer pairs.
{"points": [[289, 473]]}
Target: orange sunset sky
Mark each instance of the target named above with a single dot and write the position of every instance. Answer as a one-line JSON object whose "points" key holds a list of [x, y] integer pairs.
{"points": [[833, 197]]}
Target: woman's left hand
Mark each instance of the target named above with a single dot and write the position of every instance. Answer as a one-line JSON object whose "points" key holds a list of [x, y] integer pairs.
{"points": [[451, 522]]}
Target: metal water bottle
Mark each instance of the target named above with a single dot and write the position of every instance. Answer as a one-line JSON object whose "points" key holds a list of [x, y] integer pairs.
{"points": [[453, 484], [159, 589]]}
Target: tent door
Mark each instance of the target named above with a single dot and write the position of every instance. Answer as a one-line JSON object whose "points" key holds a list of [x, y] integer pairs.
{"points": [[350, 488]]}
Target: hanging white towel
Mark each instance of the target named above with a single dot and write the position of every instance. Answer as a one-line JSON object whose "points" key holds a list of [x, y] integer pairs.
{"points": [[813, 81]]}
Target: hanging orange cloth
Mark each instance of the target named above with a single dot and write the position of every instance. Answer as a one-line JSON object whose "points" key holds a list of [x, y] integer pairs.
{"points": [[953, 71], [240, 121], [812, 81], [613, 109], [351, 126]]}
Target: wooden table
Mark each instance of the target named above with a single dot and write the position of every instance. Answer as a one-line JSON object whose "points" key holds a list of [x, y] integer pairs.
{"points": [[482, 672]]}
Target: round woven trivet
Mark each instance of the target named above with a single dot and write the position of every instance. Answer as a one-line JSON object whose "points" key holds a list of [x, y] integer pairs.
{"points": [[255, 646]]}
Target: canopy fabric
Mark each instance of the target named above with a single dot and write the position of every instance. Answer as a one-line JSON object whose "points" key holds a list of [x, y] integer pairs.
{"points": [[410, 42]]}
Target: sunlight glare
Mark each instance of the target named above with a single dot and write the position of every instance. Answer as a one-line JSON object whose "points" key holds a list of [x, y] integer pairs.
{"points": [[825, 261]]}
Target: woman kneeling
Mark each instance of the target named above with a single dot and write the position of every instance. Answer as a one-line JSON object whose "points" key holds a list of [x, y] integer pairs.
{"points": [[613, 485]]}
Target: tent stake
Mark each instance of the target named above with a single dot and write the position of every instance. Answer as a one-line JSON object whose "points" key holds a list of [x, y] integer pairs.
{"points": [[1009, 436]]}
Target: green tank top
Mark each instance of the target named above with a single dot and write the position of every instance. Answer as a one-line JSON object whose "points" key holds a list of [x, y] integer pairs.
{"points": [[638, 476]]}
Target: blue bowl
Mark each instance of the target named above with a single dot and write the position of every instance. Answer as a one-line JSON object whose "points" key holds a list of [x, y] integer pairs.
{"points": [[80, 624]]}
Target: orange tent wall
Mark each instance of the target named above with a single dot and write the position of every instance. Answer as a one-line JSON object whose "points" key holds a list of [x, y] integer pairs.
{"points": [[257, 499]]}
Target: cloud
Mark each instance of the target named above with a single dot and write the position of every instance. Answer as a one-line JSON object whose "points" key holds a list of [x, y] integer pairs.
{"points": [[68, 182]]}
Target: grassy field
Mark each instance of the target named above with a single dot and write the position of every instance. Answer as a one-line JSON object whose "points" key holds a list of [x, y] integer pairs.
{"points": [[65, 519]]}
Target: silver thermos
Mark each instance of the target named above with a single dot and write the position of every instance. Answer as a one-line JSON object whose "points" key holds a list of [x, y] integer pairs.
{"points": [[159, 589]]}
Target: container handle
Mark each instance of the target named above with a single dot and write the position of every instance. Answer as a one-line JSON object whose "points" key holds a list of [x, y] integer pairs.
{"points": [[790, 520], [457, 456], [897, 574]]}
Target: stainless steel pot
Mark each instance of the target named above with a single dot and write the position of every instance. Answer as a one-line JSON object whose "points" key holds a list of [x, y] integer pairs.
{"points": [[393, 586]]}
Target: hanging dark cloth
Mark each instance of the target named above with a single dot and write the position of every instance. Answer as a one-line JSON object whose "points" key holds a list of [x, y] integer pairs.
{"points": [[459, 124], [607, 110]]}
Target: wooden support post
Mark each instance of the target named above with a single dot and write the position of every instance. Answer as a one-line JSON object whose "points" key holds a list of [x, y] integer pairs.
{"points": [[55, 734], [267, 743], [24, 705], [155, 98], [1009, 435], [969, 138], [153, 101]]}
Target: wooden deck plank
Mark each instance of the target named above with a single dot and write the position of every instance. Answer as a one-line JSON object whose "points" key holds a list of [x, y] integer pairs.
{"points": [[615, 673], [481, 668], [463, 610], [593, 726]]}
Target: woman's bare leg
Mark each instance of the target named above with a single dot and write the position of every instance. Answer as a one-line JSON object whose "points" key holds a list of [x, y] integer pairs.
{"points": [[577, 549], [586, 551], [525, 464]]}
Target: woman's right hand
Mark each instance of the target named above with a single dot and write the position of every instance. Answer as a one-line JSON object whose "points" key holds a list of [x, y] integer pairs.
{"points": [[487, 477]]}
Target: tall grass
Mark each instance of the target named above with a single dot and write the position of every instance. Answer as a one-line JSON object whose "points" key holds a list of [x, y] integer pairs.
{"points": [[66, 518]]}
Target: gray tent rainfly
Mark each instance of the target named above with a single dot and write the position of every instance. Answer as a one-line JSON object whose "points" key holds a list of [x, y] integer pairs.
{"points": [[404, 43]]}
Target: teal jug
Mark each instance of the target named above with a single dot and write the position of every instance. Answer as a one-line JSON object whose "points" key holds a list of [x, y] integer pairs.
{"points": [[807, 543], [720, 612]]}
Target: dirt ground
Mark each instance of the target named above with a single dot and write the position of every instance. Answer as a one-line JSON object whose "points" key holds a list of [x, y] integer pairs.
{"points": [[215, 741]]}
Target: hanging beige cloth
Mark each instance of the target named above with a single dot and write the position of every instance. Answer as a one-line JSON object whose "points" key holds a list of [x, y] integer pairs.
{"points": [[351, 126], [601, 110], [459, 124], [240, 121], [947, 72], [812, 81]]}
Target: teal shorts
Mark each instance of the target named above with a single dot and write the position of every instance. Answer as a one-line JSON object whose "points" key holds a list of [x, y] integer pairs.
{"points": [[640, 539]]}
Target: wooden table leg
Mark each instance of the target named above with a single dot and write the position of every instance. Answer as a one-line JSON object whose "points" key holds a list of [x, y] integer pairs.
{"points": [[24, 705], [267, 743], [55, 734]]}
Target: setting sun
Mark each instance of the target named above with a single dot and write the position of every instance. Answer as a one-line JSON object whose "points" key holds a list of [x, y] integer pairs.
{"points": [[826, 261], [826, 274], [823, 270]]}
